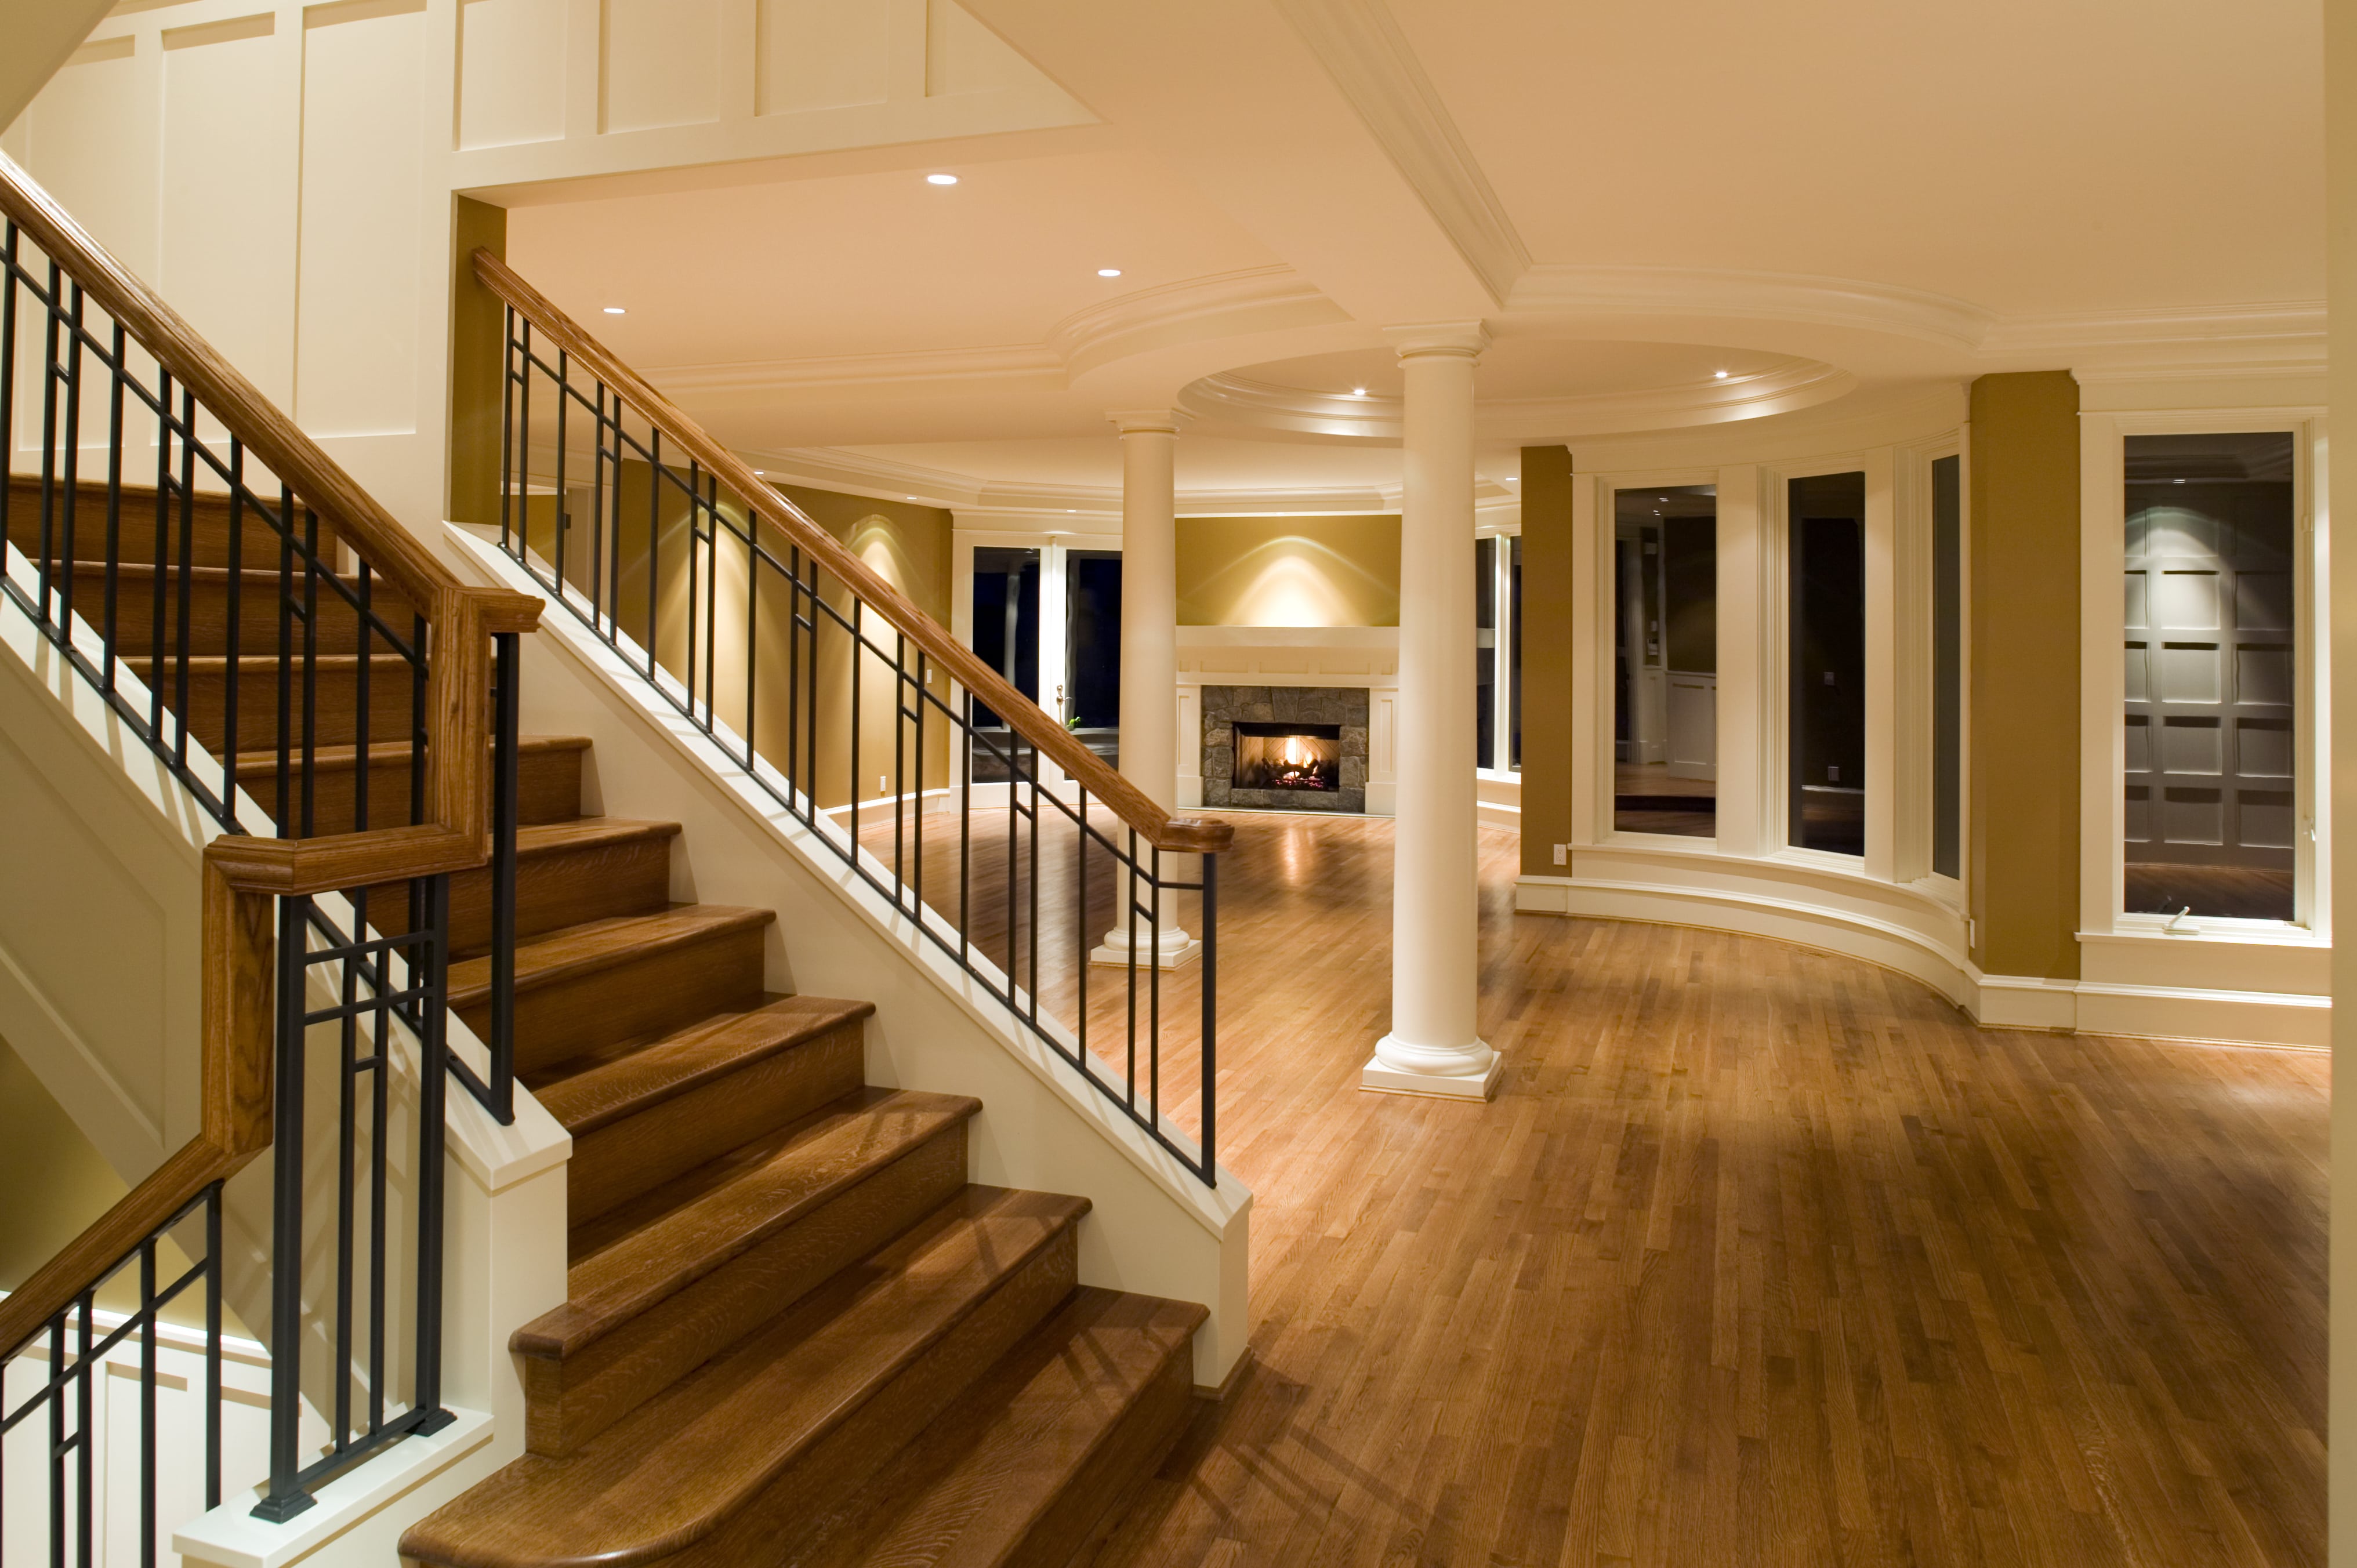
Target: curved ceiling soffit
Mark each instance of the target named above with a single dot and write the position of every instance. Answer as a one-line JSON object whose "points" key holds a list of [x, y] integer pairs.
{"points": [[1235, 400], [1552, 293]]}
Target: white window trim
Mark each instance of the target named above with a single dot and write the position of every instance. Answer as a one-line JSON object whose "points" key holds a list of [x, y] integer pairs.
{"points": [[1055, 643], [1913, 669], [1601, 494], [2102, 617], [1507, 611], [1774, 655]]}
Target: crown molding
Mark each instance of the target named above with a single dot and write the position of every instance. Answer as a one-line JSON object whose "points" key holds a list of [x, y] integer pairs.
{"points": [[1587, 291], [1780, 389], [1030, 365], [1372, 62], [1255, 299], [2289, 331]]}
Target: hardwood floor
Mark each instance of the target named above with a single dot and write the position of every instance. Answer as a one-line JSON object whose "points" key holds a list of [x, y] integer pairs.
{"points": [[2226, 892], [1761, 1256]]}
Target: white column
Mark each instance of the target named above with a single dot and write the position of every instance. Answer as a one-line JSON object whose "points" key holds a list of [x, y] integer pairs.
{"points": [[1434, 1047], [1149, 661]]}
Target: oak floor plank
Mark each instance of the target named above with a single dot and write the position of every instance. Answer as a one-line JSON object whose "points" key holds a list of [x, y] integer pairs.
{"points": [[1761, 1256]]}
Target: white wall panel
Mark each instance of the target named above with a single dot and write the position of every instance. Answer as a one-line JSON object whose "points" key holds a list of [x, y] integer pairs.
{"points": [[661, 61], [363, 178], [92, 135], [233, 107], [511, 72], [821, 54]]}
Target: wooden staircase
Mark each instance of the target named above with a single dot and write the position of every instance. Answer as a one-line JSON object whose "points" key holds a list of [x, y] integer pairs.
{"points": [[796, 1333]]}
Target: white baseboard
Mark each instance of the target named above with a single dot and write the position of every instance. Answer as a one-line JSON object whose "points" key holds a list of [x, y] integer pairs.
{"points": [[2284, 1020]]}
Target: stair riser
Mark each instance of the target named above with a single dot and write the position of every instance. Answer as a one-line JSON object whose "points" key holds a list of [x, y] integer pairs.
{"points": [[567, 887], [869, 1438], [1092, 1502], [336, 697], [614, 1163], [570, 1401], [135, 527], [548, 790], [258, 616], [659, 993]]}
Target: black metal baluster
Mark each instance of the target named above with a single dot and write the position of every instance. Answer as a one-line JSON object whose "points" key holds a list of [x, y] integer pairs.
{"points": [[70, 486], [212, 1346], [899, 764], [598, 515], [310, 669], [1210, 977], [47, 566], [148, 1310], [858, 636], [162, 542], [655, 474], [8, 372], [236, 639], [564, 389], [1130, 959], [285, 1496], [184, 598], [433, 1076], [504, 787], [347, 1154], [85, 1449], [109, 633], [965, 827], [1153, 989], [507, 478], [284, 665], [380, 1104]]}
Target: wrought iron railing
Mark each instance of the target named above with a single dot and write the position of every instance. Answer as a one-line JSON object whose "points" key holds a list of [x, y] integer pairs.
{"points": [[814, 674], [323, 688]]}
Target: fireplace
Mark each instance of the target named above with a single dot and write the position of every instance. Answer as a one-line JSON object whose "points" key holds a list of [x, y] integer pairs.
{"points": [[1292, 756], [1286, 748]]}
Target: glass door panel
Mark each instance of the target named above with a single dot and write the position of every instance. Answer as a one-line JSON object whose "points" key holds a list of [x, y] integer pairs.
{"points": [[1006, 638], [1092, 694], [2212, 730], [1826, 515], [1665, 661]]}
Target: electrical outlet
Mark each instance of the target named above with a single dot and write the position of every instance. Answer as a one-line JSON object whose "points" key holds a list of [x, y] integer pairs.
{"points": [[881, 788], [1563, 855]]}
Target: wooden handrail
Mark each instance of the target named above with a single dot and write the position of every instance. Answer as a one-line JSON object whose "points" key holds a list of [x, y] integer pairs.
{"points": [[244, 877], [1132, 805]]}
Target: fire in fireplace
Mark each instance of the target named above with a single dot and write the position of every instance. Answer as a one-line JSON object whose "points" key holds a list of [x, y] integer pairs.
{"points": [[1289, 756]]}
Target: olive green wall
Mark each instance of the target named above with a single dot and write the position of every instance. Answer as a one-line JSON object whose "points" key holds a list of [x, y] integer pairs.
{"points": [[1290, 571], [1549, 583], [478, 334], [2024, 804]]}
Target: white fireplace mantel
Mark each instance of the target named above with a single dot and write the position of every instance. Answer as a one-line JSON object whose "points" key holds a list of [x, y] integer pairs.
{"points": [[1364, 656]]}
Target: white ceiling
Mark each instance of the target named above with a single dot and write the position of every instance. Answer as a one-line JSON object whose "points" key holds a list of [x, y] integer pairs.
{"points": [[1841, 200]]}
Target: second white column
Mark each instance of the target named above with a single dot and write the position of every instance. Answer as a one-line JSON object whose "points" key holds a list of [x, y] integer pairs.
{"points": [[1434, 1046]]}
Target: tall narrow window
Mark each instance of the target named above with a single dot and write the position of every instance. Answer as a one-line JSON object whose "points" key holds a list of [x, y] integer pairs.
{"points": [[1092, 663], [1006, 638], [2211, 729], [1827, 743], [1666, 662], [1485, 652], [1947, 666], [1514, 652]]}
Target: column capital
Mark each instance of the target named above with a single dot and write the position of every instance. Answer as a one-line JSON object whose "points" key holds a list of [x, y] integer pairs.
{"points": [[1466, 340], [1142, 421]]}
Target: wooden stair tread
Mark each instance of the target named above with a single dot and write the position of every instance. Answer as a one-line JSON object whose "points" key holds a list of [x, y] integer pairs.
{"points": [[342, 758], [217, 664], [666, 1239], [624, 1083], [554, 838], [561, 954], [966, 1492], [675, 1469]]}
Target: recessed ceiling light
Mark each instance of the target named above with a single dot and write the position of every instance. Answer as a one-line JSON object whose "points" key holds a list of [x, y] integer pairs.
{"points": [[1358, 391], [1721, 375], [615, 310], [1108, 272], [758, 472], [941, 179]]}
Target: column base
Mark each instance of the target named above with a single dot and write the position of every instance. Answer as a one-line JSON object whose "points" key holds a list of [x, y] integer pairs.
{"points": [[1177, 950], [1475, 1081]]}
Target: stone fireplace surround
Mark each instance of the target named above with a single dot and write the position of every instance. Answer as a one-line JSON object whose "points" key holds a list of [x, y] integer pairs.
{"points": [[1224, 705]]}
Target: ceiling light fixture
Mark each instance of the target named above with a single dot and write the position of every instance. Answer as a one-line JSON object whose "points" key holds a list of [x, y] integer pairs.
{"points": [[1358, 391], [1108, 272], [941, 179], [616, 310], [1720, 375], [758, 472]]}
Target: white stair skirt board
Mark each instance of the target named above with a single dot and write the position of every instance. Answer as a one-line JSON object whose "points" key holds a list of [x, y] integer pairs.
{"points": [[1381, 1078], [1175, 949]]}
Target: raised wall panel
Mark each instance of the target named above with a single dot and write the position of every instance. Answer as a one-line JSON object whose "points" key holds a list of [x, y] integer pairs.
{"points": [[2186, 599], [661, 61], [820, 54], [2264, 749], [232, 108], [363, 178], [511, 72]]}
